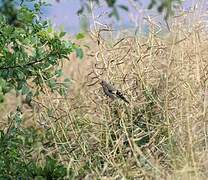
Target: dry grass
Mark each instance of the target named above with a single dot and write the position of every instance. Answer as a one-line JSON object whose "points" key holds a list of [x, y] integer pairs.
{"points": [[162, 134]]}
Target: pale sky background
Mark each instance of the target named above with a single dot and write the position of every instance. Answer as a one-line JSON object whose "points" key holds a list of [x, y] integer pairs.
{"points": [[64, 14]]}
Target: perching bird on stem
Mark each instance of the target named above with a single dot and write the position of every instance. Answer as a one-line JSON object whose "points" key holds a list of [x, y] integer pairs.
{"points": [[111, 92]]}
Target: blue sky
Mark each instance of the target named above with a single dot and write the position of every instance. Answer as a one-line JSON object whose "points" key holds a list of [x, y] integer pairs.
{"points": [[63, 14]]}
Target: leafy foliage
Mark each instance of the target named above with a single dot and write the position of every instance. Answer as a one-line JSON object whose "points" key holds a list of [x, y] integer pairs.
{"points": [[17, 146], [165, 6], [31, 52]]}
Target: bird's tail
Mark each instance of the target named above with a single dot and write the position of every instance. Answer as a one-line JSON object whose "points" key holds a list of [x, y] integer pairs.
{"points": [[121, 96]]}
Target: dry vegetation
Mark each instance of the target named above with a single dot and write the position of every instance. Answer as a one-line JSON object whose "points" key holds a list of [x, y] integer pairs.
{"points": [[162, 133]]}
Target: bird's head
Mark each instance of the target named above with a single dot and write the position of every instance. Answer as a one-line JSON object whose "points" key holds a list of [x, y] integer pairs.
{"points": [[103, 83]]}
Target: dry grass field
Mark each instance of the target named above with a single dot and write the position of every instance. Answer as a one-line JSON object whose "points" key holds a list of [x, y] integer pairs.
{"points": [[161, 134]]}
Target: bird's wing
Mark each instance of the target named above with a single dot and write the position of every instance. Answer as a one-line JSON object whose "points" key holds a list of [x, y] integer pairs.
{"points": [[109, 87], [121, 96], [108, 93]]}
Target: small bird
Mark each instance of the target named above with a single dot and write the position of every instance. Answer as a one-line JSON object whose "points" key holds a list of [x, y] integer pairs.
{"points": [[112, 92]]}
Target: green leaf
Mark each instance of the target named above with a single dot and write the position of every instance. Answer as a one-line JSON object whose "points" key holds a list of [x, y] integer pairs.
{"points": [[80, 36], [2, 84], [111, 3], [29, 97], [20, 85], [114, 13], [20, 75], [81, 10], [1, 97], [60, 171], [152, 4], [37, 6], [62, 91], [62, 34], [125, 8], [50, 165], [25, 89], [79, 53], [68, 44], [67, 82], [49, 30], [52, 84], [59, 73]]}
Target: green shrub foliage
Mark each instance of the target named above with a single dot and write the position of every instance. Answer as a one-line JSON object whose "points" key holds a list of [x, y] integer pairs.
{"points": [[31, 52], [19, 146]]}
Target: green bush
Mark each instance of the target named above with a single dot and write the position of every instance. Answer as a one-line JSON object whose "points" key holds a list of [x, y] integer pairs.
{"points": [[31, 55], [30, 51], [17, 146]]}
